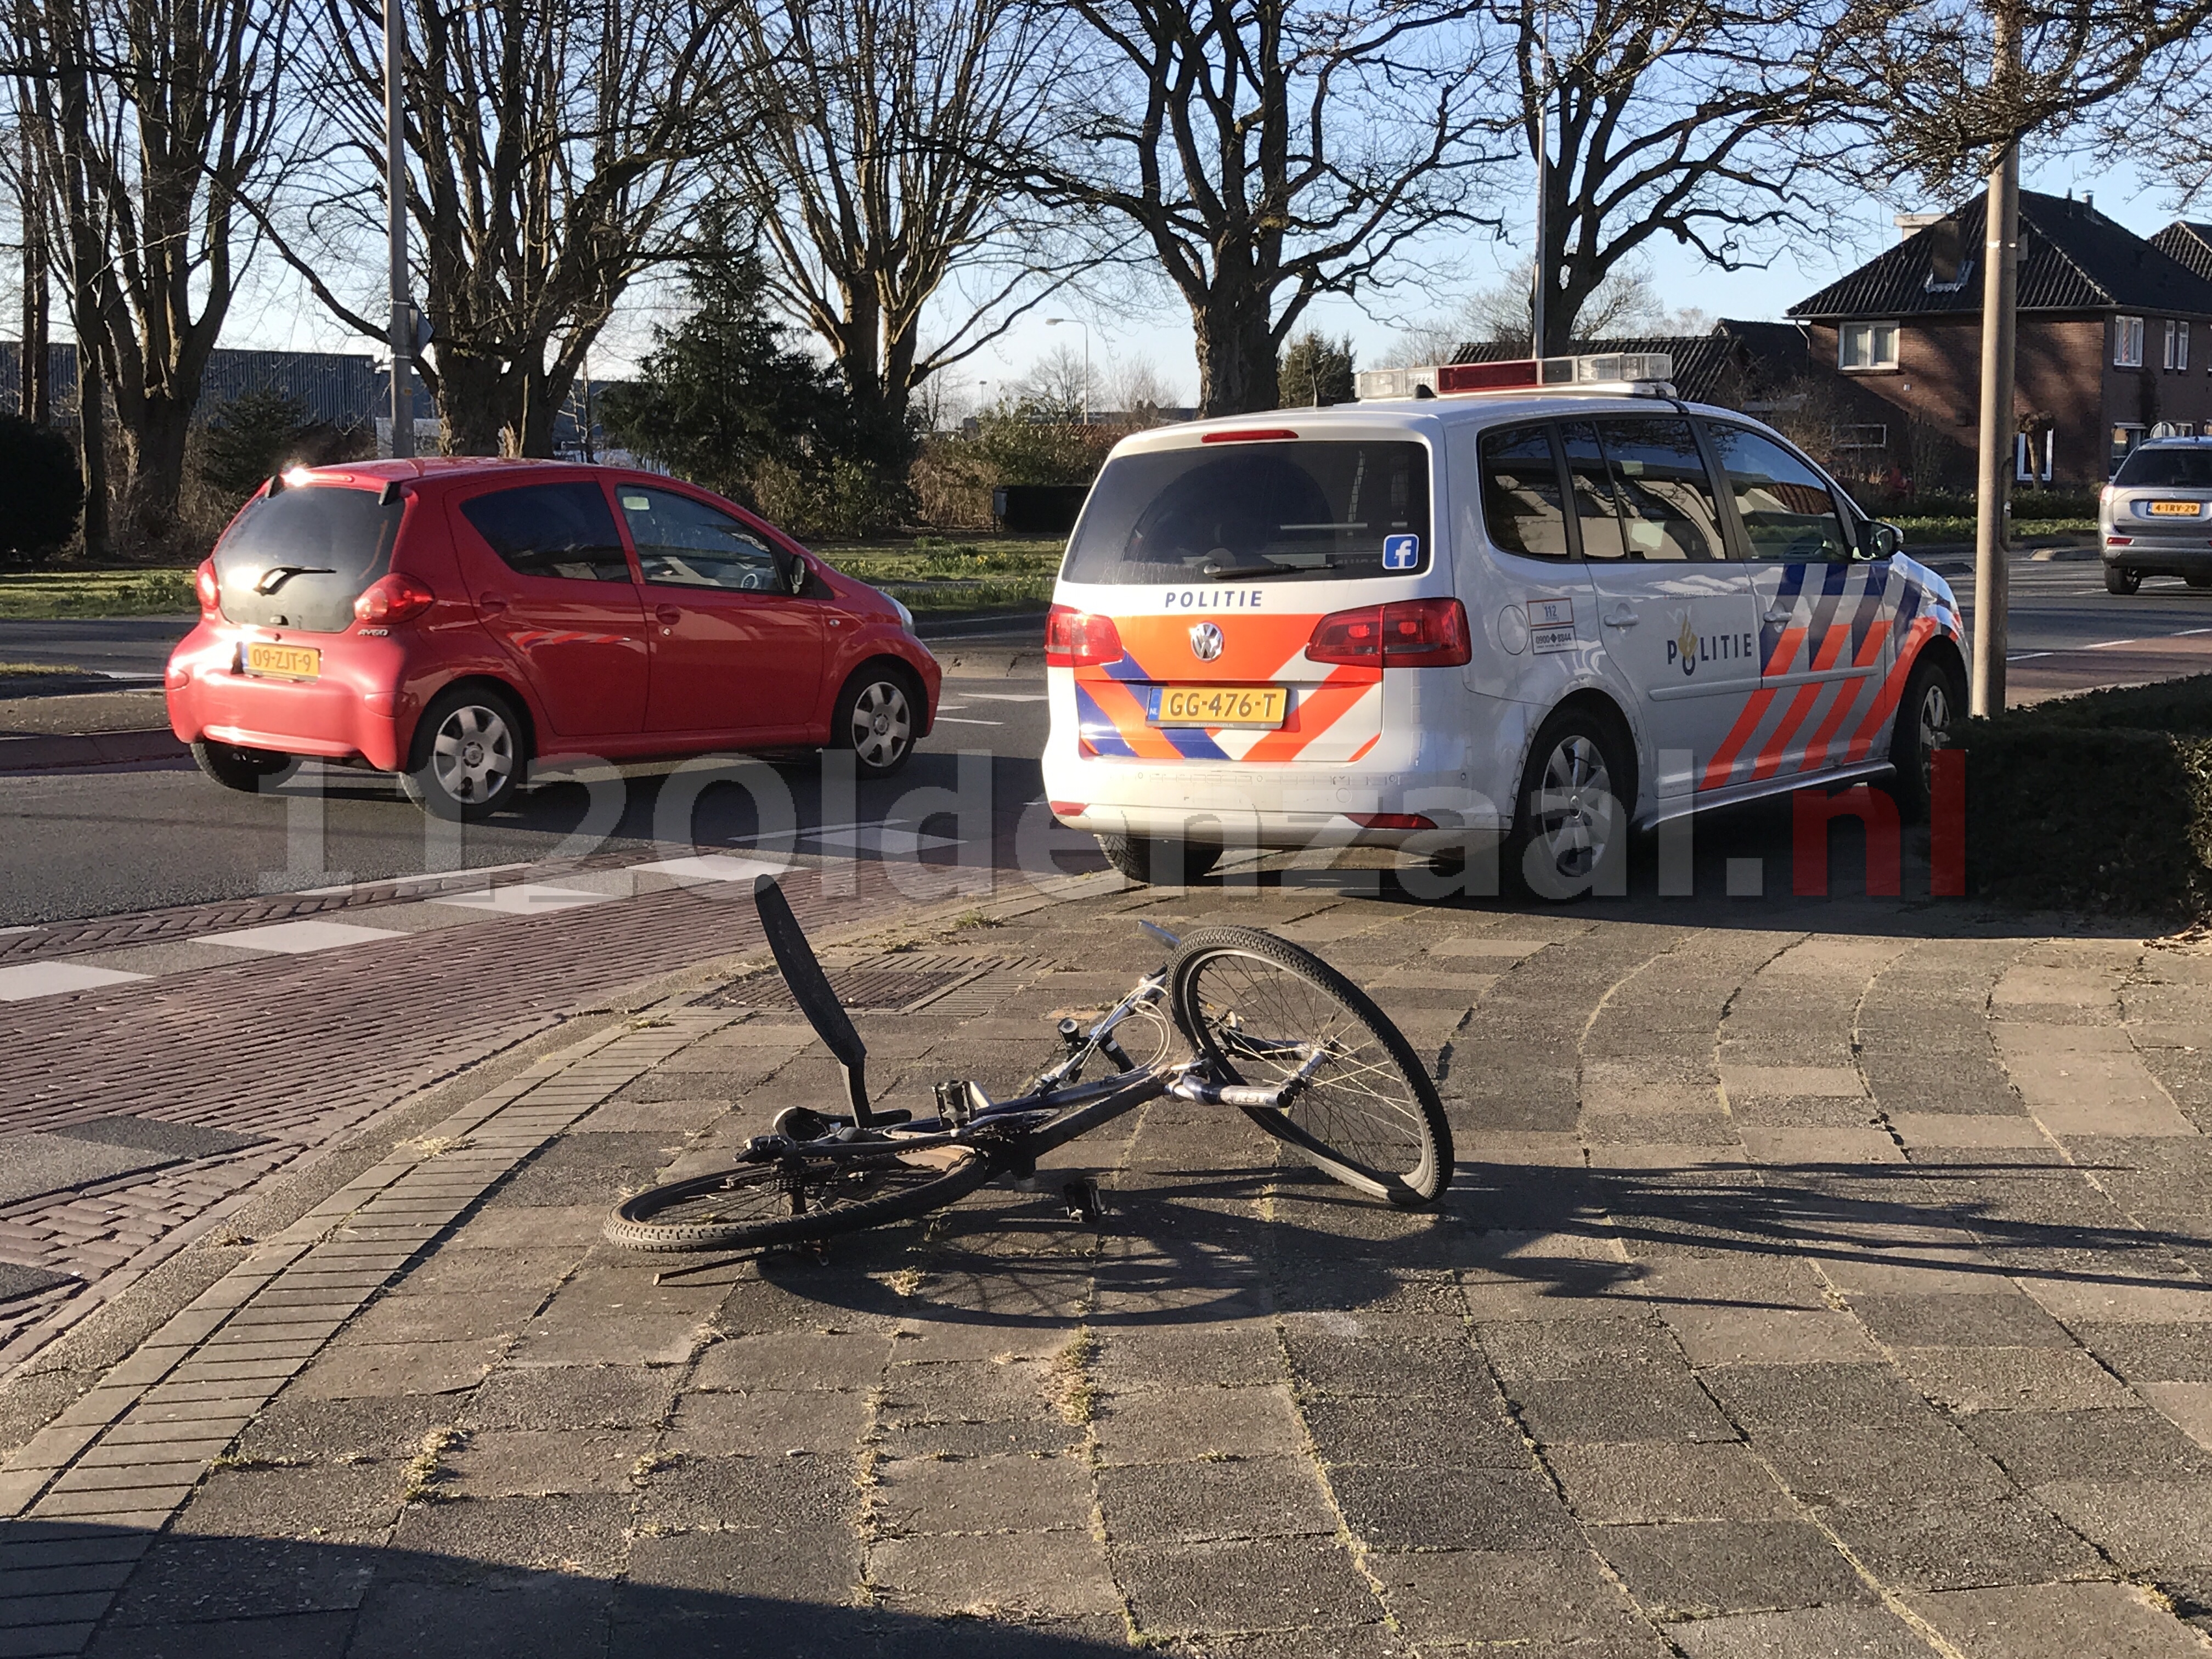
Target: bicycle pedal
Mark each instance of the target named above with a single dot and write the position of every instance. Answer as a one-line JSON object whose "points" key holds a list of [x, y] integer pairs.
{"points": [[1084, 1203]]}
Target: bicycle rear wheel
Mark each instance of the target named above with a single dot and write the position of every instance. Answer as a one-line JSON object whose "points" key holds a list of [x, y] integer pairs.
{"points": [[797, 1199], [1369, 1117]]}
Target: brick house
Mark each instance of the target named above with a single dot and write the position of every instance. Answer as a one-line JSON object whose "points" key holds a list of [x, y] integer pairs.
{"points": [[2115, 341]]}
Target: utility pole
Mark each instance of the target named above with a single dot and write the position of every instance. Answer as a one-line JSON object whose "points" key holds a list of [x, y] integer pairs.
{"points": [[1537, 299], [395, 192], [2000, 302]]}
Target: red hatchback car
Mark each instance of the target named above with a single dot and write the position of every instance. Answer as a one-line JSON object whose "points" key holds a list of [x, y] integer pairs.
{"points": [[449, 620]]}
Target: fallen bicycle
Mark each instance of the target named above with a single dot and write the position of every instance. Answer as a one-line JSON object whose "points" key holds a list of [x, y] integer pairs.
{"points": [[1277, 1033]]}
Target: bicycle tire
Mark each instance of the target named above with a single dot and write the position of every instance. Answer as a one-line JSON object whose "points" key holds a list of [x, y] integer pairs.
{"points": [[1373, 1121], [736, 1208]]}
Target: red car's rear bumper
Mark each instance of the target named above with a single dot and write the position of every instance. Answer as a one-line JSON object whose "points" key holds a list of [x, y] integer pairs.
{"points": [[354, 708]]}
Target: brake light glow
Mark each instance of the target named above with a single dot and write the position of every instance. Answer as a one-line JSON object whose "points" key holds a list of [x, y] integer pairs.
{"points": [[1256, 436], [2119, 541], [206, 586], [1391, 821], [1410, 633], [1078, 639], [392, 599]]}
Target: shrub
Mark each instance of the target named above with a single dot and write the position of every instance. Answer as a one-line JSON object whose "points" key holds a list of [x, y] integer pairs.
{"points": [[42, 491], [956, 473], [2102, 801], [255, 434]]}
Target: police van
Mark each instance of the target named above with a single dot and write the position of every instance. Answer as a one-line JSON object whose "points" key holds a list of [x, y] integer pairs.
{"points": [[1525, 606]]}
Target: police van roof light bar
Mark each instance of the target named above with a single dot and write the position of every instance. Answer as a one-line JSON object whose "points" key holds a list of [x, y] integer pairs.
{"points": [[1610, 369]]}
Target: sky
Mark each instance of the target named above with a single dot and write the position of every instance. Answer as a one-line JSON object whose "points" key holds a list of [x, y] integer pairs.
{"points": [[276, 312]]}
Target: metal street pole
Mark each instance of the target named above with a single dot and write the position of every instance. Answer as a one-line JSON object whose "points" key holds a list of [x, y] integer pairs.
{"points": [[395, 192], [2000, 300], [1542, 289]]}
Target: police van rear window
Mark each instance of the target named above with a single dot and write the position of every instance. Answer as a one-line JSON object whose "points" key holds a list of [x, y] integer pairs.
{"points": [[2167, 468], [1259, 512]]}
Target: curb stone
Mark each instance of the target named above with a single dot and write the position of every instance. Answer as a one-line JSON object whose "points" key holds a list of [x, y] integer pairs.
{"points": [[89, 748]]}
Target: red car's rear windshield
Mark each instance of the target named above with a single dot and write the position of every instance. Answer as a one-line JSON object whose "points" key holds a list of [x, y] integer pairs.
{"points": [[301, 557]]}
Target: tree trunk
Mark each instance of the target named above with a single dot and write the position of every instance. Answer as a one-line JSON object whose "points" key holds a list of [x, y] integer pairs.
{"points": [[157, 448], [92, 438], [471, 403], [34, 386], [1235, 353]]}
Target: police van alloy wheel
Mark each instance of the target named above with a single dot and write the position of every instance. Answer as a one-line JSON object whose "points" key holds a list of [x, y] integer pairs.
{"points": [[875, 720], [1571, 829], [249, 771], [2120, 580], [468, 755], [1933, 699], [1159, 863]]}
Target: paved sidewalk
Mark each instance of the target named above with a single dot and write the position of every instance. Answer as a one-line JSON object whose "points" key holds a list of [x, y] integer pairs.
{"points": [[1838, 1282]]}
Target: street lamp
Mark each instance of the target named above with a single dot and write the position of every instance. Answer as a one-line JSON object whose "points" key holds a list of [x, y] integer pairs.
{"points": [[1055, 322], [403, 342]]}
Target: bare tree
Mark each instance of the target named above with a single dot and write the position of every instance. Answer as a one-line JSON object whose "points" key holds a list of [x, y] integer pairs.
{"points": [[154, 121], [1055, 384], [551, 145], [1134, 385], [869, 133], [1269, 151], [1689, 118]]}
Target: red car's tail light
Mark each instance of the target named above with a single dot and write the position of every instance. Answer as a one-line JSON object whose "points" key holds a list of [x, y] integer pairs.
{"points": [[1391, 821], [392, 599], [1066, 809], [1410, 633], [1078, 639], [208, 589]]}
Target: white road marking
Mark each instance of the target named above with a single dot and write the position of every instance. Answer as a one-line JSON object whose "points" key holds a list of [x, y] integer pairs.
{"points": [[523, 898], [5, 932], [47, 979], [1008, 696], [2106, 645], [485, 870], [300, 938], [954, 720]]}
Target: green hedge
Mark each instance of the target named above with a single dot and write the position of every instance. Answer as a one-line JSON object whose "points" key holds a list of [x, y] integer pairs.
{"points": [[2102, 801]]}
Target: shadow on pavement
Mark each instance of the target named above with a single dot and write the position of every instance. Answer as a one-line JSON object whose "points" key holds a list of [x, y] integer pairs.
{"points": [[199, 1598]]}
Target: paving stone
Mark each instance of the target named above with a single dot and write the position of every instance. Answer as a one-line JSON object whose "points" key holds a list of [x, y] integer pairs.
{"points": [[1801, 1633], [352, 1372], [1667, 1480], [1503, 1510], [410, 1315], [851, 1358], [1170, 1425], [2149, 1352], [820, 1564], [1640, 1402], [2057, 1621], [1353, 1641], [242, 1576], [2188, 1405], [2142, 1525], [2036, 1447], [296, 1635], [580, 1333], [1341, 1353], [293, 1503], [580, 1533], [543, 1616], [1483, 1596], [333, 1431], [1956, 1320], [818, 1421], [526, 1462], [1266, 1497], [2017, 1379], [1700, 1568], [1019, 1574], [1959, 1545], [747, 1492], [572, 1397], [1250, 1584], [1421, 1433]]}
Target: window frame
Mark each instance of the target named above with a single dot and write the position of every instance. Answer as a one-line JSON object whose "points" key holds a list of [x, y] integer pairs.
{"points": [[2177, 346], [508, 485], [2127, 330], [1569, 519], [1723, 509], [1849, 518], [784, 557], [1874, 364]]}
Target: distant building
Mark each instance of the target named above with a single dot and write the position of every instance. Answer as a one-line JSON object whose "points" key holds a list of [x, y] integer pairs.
{"points": [[2115, 341], [1738, 365], [335, 389]]}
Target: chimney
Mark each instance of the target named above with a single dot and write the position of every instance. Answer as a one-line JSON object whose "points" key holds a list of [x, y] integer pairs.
{"points": [[1908, 224]]}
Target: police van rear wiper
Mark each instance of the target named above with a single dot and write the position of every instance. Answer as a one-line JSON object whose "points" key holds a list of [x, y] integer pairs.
{"points": [[1261, 572]]}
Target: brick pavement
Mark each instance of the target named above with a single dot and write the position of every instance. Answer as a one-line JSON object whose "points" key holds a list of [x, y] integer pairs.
{"points": [[1835, 1282]]}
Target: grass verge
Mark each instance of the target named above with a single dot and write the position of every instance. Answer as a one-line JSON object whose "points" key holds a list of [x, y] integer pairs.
{"points": [[51, 595]]}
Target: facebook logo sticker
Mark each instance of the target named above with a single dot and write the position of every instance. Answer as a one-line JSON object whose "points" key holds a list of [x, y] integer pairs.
{"points": [[1400, 552]]}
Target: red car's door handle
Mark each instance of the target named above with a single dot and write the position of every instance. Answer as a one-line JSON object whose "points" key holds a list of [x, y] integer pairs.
{"points": [[669, 614], [492, 603]]}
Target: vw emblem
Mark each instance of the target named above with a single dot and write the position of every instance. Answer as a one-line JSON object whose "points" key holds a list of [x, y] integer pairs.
{"points": [[1204, 641]]}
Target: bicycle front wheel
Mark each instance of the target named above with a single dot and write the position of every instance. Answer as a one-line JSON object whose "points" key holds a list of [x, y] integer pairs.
{"points": [[796, 1200], [1254, 1005]]}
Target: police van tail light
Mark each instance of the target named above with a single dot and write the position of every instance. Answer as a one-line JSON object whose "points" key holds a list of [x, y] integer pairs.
{"points": [[1079, 639], [1410, 633]]}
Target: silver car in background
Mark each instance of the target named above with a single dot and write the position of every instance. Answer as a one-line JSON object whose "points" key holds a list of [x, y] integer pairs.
{"points": [[2156, 518]]}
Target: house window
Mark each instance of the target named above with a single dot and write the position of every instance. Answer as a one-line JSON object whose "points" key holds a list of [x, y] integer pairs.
{"points": [[2126, 434], [2031, 457], [2176, 345], [2127, 342], [1866, 345], [1856, 438]]}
